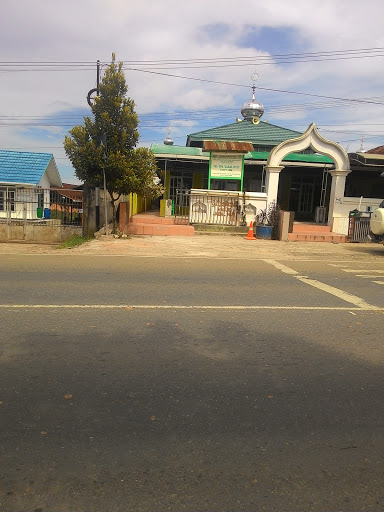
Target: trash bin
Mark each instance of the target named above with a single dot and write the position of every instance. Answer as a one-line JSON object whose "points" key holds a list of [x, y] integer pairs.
{"points": [[39, 213], [47, 213]]}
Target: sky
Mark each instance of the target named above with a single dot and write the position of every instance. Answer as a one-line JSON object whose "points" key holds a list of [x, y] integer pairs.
{"points": [[189, 67]]}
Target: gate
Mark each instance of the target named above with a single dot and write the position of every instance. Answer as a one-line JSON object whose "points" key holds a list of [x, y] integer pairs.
{"points": [[359, 226], [181, 206]]}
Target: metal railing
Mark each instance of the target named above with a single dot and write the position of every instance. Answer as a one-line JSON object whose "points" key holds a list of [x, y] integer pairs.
{"points": [[214, 209], [181, 206], [38, 206]]}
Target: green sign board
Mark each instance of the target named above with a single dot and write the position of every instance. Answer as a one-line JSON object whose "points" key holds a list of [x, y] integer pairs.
{"points": [[226, 166]]}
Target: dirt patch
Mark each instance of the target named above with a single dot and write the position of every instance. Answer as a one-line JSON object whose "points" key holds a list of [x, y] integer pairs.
{"points": [[207, 246]]}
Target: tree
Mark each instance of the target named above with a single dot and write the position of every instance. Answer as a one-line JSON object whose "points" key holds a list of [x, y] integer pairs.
{"points": [[107, 143]]}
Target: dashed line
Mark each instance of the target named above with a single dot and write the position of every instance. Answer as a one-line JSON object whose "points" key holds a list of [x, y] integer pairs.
{"points": [[364, 276]]}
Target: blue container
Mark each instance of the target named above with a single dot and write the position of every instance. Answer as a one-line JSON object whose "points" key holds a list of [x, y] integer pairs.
{"points": [[264, 232], [47, 213]]}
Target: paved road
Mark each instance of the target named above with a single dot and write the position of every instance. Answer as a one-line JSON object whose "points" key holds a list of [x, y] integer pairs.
{"points": [[150, 384]]}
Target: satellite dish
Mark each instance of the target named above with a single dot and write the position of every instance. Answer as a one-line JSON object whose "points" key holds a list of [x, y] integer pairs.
{"points": [[255, 120]]}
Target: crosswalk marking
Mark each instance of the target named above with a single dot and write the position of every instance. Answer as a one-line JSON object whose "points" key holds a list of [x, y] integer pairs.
{"points": [[336, 292]]}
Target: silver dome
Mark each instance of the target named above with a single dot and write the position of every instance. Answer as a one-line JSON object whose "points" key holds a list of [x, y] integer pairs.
{"points": [[251, 109], [168, 141]]}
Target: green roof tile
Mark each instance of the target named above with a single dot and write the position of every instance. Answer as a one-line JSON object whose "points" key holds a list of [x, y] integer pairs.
{"points": [[245, 131]]}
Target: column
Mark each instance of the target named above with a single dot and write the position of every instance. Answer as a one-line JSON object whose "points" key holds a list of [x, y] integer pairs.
{"points": [[337, 193], [272, 182]]}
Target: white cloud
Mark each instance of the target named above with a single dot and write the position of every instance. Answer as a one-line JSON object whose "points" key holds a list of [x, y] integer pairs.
{"points": [[73, 31]]}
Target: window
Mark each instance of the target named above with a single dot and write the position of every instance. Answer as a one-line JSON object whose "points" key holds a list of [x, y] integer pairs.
{"points": [[7, 200]]}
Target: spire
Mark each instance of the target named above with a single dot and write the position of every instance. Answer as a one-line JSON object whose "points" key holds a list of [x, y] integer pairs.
{"points": [[252, 110], [168, 141]]}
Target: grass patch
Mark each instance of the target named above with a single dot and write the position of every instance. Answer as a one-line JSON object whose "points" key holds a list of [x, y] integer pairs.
{"points": [[75, 241]]}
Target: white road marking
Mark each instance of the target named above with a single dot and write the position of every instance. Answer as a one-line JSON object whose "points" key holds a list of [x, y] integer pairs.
{"points": [[378, 282], [283, 268], [156, 306], [369, 276], [361, 270], [348, 297]]}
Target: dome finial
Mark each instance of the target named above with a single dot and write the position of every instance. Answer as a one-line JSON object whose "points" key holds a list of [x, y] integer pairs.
{"points": [[254, 77], [168, 141], [252, 110]]}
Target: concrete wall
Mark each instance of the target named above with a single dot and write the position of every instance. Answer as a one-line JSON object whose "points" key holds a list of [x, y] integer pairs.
{"points": [[28, 232], [341, 214]]}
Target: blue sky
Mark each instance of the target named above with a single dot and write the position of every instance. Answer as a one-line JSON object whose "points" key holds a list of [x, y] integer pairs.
{"points": [[290, 45]]}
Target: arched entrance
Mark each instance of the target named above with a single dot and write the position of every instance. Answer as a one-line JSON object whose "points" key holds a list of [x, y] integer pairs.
{"points": [[310, 139]]}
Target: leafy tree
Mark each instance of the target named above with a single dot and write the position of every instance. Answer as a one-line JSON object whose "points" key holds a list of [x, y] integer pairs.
{"points": [[107, 143]]}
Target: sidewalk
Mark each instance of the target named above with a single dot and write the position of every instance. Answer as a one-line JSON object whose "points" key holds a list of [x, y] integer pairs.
{"points": [[208, 246]]}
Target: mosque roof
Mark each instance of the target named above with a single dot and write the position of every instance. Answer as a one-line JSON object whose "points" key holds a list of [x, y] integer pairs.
{"points": [[263, 133]]}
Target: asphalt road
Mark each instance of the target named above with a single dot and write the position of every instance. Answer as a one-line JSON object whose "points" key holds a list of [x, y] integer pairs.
{"points": [[143, 384]]}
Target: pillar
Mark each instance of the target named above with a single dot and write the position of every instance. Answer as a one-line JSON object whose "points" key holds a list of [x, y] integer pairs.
{"points": [[337, 192], [272, 182]]}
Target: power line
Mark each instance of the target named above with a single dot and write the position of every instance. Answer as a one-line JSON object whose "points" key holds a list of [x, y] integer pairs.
{"points": [[250, 59]]}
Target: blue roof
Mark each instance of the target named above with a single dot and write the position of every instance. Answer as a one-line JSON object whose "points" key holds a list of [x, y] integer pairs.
{"points": [[23, 167]]}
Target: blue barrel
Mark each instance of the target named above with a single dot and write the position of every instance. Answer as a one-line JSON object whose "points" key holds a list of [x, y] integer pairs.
{"points": [[264, 232], [47, 213]]}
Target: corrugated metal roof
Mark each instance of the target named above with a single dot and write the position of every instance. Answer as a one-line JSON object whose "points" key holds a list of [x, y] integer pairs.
{"points": [[362, 157], [376, 151], [262, 133], [222, 145], [164, 149], [23, 167]]}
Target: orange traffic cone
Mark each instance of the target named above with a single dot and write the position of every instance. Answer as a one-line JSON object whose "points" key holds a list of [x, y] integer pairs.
{"points": [[250, 233]]}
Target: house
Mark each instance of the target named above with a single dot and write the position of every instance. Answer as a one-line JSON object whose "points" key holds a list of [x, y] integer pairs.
{"points": [[25, 182]]}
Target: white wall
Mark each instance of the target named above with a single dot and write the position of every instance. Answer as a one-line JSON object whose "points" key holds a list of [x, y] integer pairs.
{"points": [[26, 203], [341, 214]]}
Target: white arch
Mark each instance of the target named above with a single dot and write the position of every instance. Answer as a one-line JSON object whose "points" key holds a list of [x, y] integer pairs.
{"points": [[310, 138]]}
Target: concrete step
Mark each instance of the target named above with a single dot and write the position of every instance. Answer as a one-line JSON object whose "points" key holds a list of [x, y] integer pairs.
{"points": [[317, 237], [145, 228], [304, 227], [146, 218]]}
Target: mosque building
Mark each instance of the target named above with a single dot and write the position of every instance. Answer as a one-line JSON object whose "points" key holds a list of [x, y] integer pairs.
{"points": [[303, 172]]}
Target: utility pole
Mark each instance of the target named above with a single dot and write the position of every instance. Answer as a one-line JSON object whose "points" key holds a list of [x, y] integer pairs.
{"points": [[97, 189], [95, 89]]}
